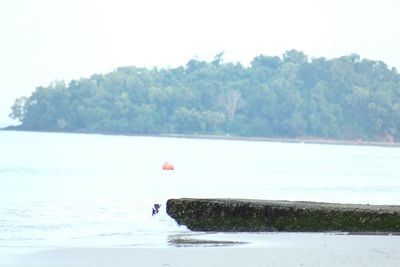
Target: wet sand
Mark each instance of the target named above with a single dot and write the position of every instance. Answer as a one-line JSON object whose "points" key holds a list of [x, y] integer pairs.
{"points": [[280, 250]]}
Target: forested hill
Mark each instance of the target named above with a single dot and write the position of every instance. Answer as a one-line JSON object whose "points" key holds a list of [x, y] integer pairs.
{"points": [[289, 96]]}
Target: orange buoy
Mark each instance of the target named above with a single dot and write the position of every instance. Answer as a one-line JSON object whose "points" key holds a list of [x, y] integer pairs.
{"points": [[168, 166]]}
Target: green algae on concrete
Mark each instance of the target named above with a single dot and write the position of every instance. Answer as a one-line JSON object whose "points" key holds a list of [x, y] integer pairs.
{"points": [[289, 216]]}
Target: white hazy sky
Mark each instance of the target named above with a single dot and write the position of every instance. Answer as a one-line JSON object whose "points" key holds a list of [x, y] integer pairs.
{"points": [[46, 40]]}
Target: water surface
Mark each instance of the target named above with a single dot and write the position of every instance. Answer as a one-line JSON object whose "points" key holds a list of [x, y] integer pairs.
{"points": [[97, 190]]}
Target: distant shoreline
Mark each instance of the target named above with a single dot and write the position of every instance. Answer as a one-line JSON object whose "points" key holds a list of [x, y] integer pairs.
{"points": [[299, 140], [285, 140]]}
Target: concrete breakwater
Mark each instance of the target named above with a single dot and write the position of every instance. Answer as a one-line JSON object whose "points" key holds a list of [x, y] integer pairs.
{"points": [[289, 216]]}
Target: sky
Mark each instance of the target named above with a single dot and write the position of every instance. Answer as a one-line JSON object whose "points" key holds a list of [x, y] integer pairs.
{"points": [[47, 40]]}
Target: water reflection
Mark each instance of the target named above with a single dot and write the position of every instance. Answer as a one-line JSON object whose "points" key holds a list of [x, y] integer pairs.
{"points": [[199, 240]]}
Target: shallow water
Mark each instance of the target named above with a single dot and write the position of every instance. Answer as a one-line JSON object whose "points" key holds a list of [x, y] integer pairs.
{"points": [[97, 190]]}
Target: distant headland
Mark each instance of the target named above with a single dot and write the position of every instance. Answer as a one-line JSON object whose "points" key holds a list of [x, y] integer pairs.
{"points": [[288, 97]]}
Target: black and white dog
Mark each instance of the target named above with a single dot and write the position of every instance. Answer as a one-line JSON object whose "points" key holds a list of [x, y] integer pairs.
{"points": [[156, 209]]}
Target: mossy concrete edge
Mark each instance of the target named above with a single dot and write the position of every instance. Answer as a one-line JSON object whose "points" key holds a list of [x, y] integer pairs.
{"points": [[288, 216]]}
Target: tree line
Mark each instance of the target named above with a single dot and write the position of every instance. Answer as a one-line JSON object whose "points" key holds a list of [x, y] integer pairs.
{"points": [[275, 96]]}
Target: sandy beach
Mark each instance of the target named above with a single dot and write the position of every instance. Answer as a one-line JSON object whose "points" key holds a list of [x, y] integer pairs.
{"points": [[282, 250]]}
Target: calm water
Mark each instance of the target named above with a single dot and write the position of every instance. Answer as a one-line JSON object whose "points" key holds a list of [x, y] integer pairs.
{"points": [[94, 190]]}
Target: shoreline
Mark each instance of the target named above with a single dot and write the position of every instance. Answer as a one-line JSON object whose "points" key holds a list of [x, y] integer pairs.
{"points": [[278, 250], [298, 140]]}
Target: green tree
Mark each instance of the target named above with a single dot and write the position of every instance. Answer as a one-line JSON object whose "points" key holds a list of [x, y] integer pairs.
{"points": [[288, 96], [18, 110]]}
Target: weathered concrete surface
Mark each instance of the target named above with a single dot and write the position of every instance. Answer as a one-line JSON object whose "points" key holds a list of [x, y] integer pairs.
{"points": [[291, 216]]}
